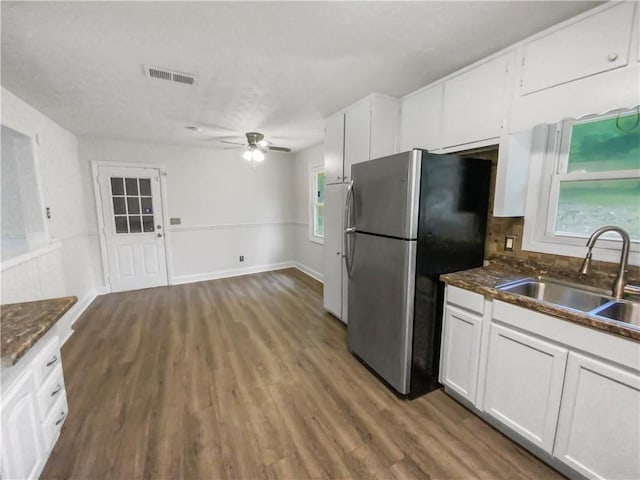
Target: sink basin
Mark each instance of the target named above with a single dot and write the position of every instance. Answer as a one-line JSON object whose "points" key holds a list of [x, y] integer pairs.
{"points": [[627, 312], [558, 293]]}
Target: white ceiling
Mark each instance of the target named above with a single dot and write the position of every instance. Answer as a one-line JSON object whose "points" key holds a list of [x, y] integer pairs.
{"points": [[275, 67]]}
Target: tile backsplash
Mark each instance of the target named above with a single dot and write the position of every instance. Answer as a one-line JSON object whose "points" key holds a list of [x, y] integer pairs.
{"points": [[498, 227]]}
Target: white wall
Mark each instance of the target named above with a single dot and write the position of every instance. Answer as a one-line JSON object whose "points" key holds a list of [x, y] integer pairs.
{"points": [[308, 254], [227, 208], [74, 268]]}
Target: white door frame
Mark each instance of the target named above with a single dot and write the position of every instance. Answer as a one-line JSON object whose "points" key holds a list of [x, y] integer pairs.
{"points": [[95, 165]]}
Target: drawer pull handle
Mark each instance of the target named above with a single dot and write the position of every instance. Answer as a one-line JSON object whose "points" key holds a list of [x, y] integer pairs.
{"points": [[57, 390], [62, 415], [52, 361]]}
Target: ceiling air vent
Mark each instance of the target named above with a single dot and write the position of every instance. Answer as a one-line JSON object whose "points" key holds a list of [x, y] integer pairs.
{"points": [[172, 76]]}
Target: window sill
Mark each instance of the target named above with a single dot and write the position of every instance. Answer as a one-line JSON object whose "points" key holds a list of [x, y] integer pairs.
{"points": [[318, 240]]}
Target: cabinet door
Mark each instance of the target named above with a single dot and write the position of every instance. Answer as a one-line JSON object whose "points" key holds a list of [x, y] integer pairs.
{"points": [[334, 148], [594, 44], [334, 198], [474, 105], [461, 336], [22, 440], [357, 135], [421, 119], [599, 424], [524, 384]]}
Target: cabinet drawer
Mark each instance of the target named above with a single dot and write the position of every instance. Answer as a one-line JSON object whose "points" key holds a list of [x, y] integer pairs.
{"points": [[47, 361], [54, 421], [50, 391], [464, 298]]}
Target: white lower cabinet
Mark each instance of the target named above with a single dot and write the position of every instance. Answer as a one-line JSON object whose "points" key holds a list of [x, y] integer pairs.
{"points": [[22, 435], [461, 336], [33, 409], [524, 384], [568, 393], [599, 424]]}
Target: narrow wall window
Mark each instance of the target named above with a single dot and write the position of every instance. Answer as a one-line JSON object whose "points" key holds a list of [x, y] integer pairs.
{"points": [[317, 204], [23, 228]]}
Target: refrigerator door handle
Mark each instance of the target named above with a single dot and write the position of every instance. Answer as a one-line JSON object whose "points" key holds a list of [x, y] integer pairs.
{"points": [[348, 229]]}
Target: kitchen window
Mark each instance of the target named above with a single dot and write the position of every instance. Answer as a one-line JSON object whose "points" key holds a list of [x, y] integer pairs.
{"points": [[589, 177], [317, 205]]}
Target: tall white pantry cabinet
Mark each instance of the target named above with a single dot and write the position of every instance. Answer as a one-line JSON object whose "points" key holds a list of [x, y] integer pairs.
{"points": [[365, 130]]}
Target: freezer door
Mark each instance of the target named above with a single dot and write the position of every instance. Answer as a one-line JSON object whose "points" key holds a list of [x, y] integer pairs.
{"points": [[386, 194], [381, 292]]}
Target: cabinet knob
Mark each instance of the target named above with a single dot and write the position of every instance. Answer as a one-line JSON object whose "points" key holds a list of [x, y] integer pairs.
{"points": [[337, 253], [612, 57]]}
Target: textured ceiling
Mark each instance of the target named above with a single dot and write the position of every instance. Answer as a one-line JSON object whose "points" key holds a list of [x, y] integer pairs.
{"points": [[275, 67]]}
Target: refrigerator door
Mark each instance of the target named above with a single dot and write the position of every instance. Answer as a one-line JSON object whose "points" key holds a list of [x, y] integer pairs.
{"points": [[381, 292], [385, 195]]}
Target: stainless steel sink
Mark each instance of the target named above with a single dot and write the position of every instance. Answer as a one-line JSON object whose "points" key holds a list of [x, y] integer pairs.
{"points": [[628, 312], [590, 300], [558, 293]]}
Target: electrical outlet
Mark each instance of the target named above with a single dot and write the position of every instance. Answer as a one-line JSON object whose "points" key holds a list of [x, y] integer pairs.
{"points": [[509, 242], [242, 258]]}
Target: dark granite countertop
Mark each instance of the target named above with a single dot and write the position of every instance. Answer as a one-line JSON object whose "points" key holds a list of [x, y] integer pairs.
{"points": [[484, 280], [23, 324]]}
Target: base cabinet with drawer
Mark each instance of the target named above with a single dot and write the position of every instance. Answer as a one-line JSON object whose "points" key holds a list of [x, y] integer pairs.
{"points": [[568, 393], [33, 409]]}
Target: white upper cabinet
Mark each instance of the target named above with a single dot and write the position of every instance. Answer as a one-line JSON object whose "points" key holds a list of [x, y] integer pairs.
{"points": [[475, 102], [365, 130], [592, 44], [421, 119], [357, 135], [334, 148]]}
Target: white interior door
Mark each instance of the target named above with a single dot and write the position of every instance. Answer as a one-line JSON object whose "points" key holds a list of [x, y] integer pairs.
{"points": [[133, 229]]}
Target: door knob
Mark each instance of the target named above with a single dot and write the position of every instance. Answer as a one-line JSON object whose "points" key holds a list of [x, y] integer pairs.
{"points": [[159, 235]]}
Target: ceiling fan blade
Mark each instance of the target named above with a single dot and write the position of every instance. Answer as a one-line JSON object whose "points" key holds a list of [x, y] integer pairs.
{"points": [[232, 148], [232, 143], [279, 149]]}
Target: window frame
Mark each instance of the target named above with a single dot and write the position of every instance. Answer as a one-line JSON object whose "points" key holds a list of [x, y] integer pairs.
{"points": [[548, 169], [313, 203], [39, 241]]}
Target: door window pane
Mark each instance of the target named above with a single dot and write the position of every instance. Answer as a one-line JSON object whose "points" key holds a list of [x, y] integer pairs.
{"points": [[133, 205], [606, 144], [135, 226], [121, 224], [118, 206], [147, 223], [117, 186], [584, 206], [132, 186], [147, 206], [145, 187]]}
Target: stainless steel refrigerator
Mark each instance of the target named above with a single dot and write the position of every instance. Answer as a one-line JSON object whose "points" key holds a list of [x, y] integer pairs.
{"points": [[408, 218]]}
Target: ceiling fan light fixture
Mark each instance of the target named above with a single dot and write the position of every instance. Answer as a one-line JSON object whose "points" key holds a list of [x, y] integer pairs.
{"points": [[258, 156], [263, 143], [248, 154]]}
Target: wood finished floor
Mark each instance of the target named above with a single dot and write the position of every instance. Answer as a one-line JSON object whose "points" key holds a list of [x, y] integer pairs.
{"points": [[249, 378]]}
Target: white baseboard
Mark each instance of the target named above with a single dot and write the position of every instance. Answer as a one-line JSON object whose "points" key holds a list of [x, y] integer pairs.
{"points": [[74, 314], [234, 272], [103, 290], [309, 271]]}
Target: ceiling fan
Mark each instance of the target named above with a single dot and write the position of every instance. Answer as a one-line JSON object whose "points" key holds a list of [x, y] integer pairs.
{"points": [[256, 146]]}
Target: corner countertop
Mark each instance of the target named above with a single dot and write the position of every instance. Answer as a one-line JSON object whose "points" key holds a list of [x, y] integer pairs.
{"points": [[23, 324], [484, 281]]}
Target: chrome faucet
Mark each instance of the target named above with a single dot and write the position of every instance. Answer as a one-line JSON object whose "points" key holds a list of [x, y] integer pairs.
{"points": [[618, 284]]}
